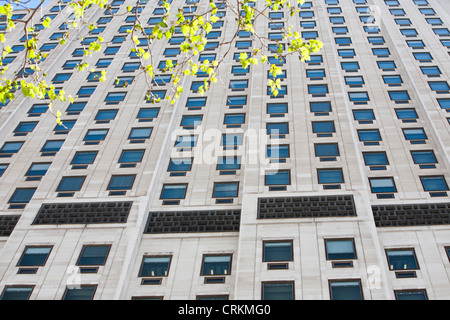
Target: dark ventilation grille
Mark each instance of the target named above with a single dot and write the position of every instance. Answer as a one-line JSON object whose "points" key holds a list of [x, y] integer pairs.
{"points": [[7, 224], [399, 215], [83, 213], [193, 221], [306, 207]]}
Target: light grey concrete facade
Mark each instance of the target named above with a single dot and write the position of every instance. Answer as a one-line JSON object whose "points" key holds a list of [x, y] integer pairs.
{"points": [[398, 205]]}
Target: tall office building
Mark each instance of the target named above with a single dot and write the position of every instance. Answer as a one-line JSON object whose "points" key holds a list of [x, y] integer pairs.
{"points": [[336, 188]]}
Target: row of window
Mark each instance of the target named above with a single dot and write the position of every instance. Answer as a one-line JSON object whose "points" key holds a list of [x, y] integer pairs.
{"points": [[215, 267]]}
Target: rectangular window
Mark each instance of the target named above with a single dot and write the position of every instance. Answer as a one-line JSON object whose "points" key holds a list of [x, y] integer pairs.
{"points": [[277, 129], [381, 52], [323, 128], [180, 165], [433, 71], [85, 292], [407, 115], [131, 156], [38, 170], [423, 56], [350, 66], [280, 177], [186, 141], [155, 266], [173, 191], [216, 265], [330, 176], [386, 65], [382, 185], [345, 290], [278, 151], [415, 135], [369, 135], [24, 128], [51, 147], [93, 255], [276, 251], [232, 139], [354, 81], [234, 119], [84, 157], [424, 157], [392, 80], [34, 256], [121, 182], [94, 136], [278, 290], [228, 163], [115, 97], [71, 184], [37, 109], [9, 148], [315, 74], [402, 259], [326, 151], [277, 109], [434, 183], [130, 66], [3, 168], [75, 108], [418, 294], [61, 77], [16, 293], [147, 114], [225, 189], [21, 196], [376, 160], [340, 249], [105, 116], [86, 91], [439, 86], [320, 108]]}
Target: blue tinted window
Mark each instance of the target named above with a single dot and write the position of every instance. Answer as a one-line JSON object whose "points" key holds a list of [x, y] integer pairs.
{"points": [[173, 191], [23, 195], [403, 21], [430, 71], [354, 81], [34, 256], [76, 107], [86, 91], [399, 95], [346, 52], [443, 32], [65, 127], [38, 109], [415, 43], [277, 108], [358, 96], [337, 20], [386, 65], [229, 163], [96, 134], [330, 176], [406, 113], [238, 118], [326, 150], [122, 182], [411, 295], [439, 86], [381, 185], [233, 101], [232, 139], [381, 52], [238, 84], [375, 158], [61, 77], [423, 56], [52, 146], [278, 291], [25, 127], [369, 135], [115, 97], [84, 157], [318, 73], [140, 133], [281, 177], [71, 184], [444, 103], [318, 107], [196, 102], [186, 141], [434, 183], [423, 157], [191, 121], [180, 164], [414, 134], [340, 30], [38, 169], [11, 147], [130, 66], [323, 127], [434, 21], [278, 151], [317, 89], [106, 115], [131, 156], [343, 41], [350, 66], [409, 32], [363, 115], [393, 80], [376, 40], [3, 168], [277, 128], [225, 189]]}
